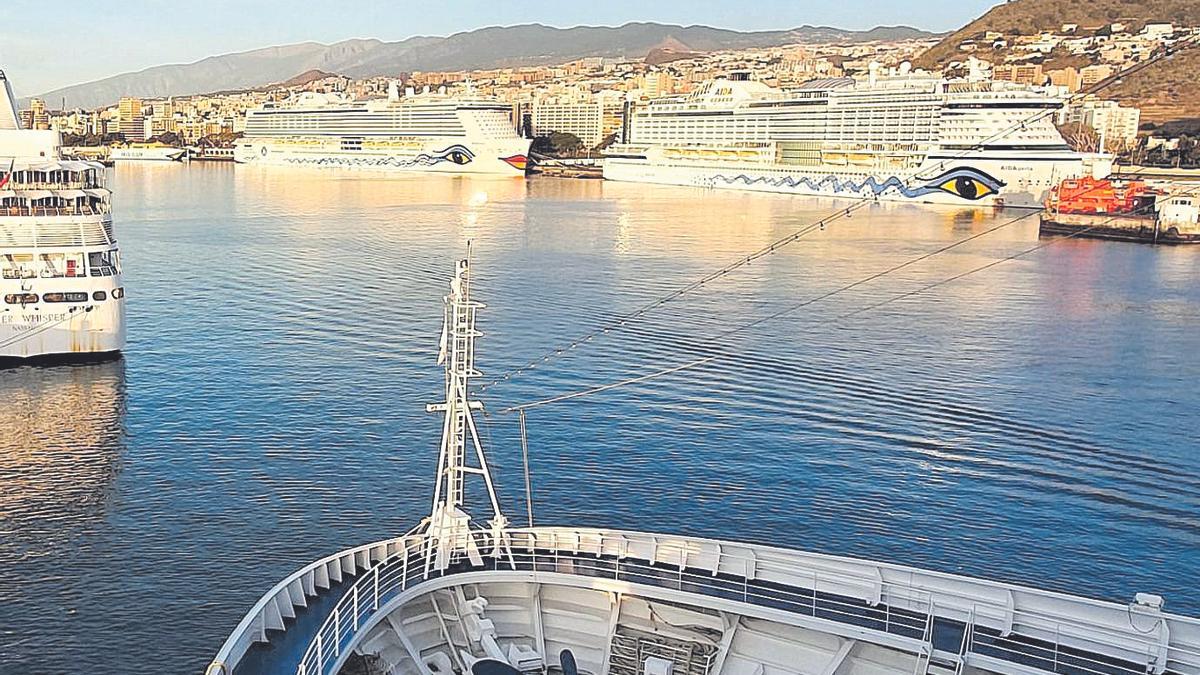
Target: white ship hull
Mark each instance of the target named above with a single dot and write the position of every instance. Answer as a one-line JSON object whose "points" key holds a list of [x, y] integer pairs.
{"points": [[76, 329], [995, 181], [450, 155], [147, 154], [79, 312]]}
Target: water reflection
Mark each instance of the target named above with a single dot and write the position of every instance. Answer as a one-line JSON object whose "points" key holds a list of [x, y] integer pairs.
{"points": [[60, 452]]}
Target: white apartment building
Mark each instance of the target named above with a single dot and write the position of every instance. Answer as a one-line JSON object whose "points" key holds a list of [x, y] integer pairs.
{"points": [[584, 119], [1118, 125]]}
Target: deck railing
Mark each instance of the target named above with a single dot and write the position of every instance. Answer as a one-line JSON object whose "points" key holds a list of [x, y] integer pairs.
{"points": [[100, 209], [1003, 627]]}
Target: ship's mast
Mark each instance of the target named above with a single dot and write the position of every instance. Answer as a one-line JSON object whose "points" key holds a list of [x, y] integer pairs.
{"points": [[449, 520]]}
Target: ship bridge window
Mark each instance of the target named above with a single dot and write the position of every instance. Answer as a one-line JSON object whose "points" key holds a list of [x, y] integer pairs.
{"points": [[57, 265], [104, 263], [21, 298], [65, 297], [18, 266]]}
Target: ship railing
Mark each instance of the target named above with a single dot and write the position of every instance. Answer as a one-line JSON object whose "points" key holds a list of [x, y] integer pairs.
{"points": [[52, 185], [98, 209], [831, 591], [271, 609]]}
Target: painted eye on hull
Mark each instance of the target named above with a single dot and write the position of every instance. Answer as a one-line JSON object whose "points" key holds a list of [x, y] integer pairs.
{"points": [[968, 183], [458, 157]]}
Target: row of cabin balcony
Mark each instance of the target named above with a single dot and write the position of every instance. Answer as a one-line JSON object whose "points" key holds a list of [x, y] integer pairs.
{"points": [[18, 206]]}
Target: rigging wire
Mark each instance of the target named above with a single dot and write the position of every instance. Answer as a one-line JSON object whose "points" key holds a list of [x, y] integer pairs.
{"points": [[623, 320], [724, 354]]}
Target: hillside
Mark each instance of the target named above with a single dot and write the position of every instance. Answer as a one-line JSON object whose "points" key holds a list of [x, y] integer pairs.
{"points": [[1027, 17], [1165, 91], [531, 44]]}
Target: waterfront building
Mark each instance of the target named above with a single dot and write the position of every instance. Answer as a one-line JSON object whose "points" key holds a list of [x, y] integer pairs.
{"points": [[129, 119], [1116, 124], [583, 119], [60, 268], [38, 117]]}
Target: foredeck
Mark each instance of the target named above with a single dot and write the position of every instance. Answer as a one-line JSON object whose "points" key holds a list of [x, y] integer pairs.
{"points": [[950, 623]]}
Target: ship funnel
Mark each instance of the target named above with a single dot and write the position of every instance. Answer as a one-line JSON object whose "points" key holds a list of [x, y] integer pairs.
{"points": [[8, 105], [393, 90]]}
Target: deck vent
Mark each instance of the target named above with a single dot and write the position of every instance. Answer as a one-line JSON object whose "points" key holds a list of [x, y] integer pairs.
{"points": [[1148, 601]]}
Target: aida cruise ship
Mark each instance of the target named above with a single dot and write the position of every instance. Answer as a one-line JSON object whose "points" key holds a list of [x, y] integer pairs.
{"points": [[900, 137], [60, 269], [427, 132]]}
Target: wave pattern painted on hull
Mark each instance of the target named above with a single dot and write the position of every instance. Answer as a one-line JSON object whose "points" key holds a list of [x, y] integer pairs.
{"points": [[966, 182], [455, 154]]}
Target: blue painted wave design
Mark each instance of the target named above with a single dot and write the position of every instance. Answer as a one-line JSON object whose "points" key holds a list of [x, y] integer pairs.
{"points": [[966, 182], [455, 154]]}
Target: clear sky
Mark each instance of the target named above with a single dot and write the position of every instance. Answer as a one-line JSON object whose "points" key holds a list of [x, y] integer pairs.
{"points": [[44, 45]]}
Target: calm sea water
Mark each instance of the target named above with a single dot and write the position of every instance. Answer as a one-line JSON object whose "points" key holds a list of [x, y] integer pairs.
{"points": [[1035, 423]]}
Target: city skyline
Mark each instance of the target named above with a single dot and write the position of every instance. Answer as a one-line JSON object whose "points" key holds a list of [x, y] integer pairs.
{"points": [[142, 34]]}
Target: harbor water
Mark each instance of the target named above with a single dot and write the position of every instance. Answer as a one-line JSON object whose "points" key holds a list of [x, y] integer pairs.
{"points": [[1034, 422]]}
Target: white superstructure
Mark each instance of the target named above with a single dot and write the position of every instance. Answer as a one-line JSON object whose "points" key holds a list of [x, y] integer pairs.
{"points": [[60, 268], [463, 597], [906, 137], [417, 132]]}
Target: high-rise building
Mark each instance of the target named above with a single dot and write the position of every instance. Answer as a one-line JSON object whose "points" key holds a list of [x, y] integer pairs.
{"points": [[1117, 125], [39, 118], [129, 118], [583, 119]]}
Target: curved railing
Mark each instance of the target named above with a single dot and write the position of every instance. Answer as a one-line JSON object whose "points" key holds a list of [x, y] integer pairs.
{"points": [[994, 626], [280, 602]]}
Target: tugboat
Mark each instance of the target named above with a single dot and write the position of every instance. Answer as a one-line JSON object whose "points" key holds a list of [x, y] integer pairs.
{"points": [[1120, 210], [459, 596]]}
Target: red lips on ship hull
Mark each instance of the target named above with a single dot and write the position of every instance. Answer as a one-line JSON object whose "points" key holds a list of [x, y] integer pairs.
{"points": [[518, 162]]}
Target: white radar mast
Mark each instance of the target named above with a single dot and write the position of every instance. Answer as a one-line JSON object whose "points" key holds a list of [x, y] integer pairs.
{"points": [[449, 522]]}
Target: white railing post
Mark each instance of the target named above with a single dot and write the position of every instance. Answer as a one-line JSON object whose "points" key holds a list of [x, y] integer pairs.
{"points": [[1057, 637], [814, 595], [403, 573], [375, 606], [356, 608], [337, 630], [320, 653], [746, 580]]}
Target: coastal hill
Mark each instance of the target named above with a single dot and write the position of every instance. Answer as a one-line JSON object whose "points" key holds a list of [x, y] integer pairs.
{"points": [[1029, 17], [530, 44], [1165, 91]]}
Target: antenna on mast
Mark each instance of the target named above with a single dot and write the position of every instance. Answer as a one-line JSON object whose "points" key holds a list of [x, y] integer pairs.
{"points": [[449, 522]]}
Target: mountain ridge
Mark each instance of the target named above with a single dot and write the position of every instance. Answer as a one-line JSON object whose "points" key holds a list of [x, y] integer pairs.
{"points": [[490, 47]]}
